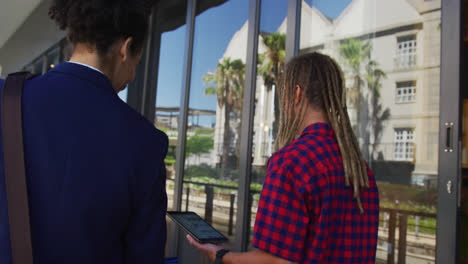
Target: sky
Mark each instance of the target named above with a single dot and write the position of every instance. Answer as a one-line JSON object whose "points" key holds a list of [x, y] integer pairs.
{"points": [[214, 29]]}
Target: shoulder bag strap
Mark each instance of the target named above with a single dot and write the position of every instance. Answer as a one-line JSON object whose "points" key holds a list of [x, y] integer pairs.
{"points": [[15, 176]]}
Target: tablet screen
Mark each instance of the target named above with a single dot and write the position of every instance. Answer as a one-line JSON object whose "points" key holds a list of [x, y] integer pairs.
{"points": [[196, 226]]}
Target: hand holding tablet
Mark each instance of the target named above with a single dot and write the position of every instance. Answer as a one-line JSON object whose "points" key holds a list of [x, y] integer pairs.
{"points": [[198, 228]]}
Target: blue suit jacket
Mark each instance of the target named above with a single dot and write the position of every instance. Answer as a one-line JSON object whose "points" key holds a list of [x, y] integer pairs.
{"points": [[95, 173]]}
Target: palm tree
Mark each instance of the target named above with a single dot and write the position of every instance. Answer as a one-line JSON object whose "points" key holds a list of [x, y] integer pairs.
{"points": [[357, 57], [355, 53], [378, 115], [227, 84], [271, 67]]}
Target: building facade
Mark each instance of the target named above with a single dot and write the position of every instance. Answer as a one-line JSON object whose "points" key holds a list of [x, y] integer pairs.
{"points": [[209, 77]]}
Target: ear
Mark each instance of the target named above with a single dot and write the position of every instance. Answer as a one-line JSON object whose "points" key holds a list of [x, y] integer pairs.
{"points": [[298, 95], [125, 48]]}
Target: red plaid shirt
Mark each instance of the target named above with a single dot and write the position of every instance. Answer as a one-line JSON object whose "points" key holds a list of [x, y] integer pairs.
{"points": [[306, 212]]}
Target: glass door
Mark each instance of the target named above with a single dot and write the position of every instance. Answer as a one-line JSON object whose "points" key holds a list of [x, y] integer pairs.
{"points": [[389, 52]]}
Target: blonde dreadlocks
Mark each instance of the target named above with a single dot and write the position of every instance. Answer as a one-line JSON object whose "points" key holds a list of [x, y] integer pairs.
{"points": [[321, 80]]}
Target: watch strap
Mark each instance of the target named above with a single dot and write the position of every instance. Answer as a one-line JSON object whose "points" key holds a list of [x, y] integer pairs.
{"points": [[220, 254]]}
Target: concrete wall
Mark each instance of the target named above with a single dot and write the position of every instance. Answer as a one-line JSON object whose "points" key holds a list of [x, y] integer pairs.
{"points": [[33, 37]]}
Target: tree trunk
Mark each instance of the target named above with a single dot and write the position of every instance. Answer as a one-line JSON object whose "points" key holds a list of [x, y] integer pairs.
{"points": [[226, 141], [238, 129], [357, 105], [276, 103], [277, 113]]}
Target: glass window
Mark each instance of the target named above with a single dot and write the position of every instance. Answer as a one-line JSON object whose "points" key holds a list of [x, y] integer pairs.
{"points": [[403, 146], [383, 47], [271, 60], [214, 121], [29, 68], [405, 92], [406, 52], [53, 58], [38, 65], [171, 60], [463, 240]]}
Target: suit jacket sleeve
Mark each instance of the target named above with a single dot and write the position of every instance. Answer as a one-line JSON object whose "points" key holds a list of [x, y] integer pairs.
{"points": [[146, 235]]}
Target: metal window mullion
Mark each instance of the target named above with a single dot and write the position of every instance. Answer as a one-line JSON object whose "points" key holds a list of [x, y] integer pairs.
{"points": [[184, 104], [146, 67], [293, 28], [151, 68], [449, 172], [248, 108], [135, 94], [44, 63], [141, 93]]}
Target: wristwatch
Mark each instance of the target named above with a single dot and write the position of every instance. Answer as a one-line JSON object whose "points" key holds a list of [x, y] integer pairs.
{"points": [[219, 255]]}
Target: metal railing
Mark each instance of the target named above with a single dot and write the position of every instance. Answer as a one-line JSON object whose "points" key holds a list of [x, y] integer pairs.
{"points": [[393, 220], [399, 218], [209, 198]]}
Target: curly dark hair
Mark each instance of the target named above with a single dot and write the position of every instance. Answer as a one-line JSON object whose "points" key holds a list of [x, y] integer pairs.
{"points": [[103, 22]]}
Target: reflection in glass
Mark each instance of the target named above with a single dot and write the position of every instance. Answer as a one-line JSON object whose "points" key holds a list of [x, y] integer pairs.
{"points": [[389, 52], [214, 121], [53, 58], [38, 65], [271, 61], [168, 98]]}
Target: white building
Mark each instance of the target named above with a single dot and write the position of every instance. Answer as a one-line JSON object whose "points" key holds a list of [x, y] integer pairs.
{"points": [[405, 39]]}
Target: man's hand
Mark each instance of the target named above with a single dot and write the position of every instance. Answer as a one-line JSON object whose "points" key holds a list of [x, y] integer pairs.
{"points": [[252, 257], [207, 249]]}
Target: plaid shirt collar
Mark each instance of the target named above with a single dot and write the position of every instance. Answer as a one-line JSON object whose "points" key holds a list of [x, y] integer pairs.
{"points": [[318, 129]]}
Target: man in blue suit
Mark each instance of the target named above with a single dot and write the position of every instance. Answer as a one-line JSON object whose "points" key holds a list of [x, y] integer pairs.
{"points": [[94, 167]]}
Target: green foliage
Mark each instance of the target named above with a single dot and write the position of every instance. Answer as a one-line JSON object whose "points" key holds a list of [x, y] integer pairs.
{"points": [[411, 198], [355, 52], [207, 132], [426, 225], [357, 57], [271, 63], [198, 144], [206, 174], [201, 171], [226, 82], [169, 160], [271, 66], [408, 197]]}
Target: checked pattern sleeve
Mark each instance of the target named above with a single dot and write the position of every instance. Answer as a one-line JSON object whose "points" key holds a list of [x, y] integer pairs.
{"points": [[282, 218]]}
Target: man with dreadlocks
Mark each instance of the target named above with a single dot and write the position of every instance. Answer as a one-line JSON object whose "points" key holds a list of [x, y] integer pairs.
{"points": [[319, 203]]}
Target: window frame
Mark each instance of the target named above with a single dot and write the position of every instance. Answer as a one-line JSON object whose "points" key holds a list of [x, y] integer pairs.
{"points": [[404, 139], [406, 57], [410, 86]]}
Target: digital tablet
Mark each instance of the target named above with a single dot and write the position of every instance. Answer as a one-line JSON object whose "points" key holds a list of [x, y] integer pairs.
{"points": [[197, 227]]}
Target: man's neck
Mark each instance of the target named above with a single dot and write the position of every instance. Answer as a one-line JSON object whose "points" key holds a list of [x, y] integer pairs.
{"points": [[87, 61], [86, 55], [312, 116]]}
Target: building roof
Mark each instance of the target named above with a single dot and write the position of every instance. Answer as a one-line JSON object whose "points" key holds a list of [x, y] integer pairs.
{"points": [[192, 111], [13, 14]]}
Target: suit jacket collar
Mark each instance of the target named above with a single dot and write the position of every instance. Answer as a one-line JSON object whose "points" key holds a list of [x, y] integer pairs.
{"points": [[85, 73]]}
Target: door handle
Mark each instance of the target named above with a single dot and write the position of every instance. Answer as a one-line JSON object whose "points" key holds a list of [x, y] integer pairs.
{"points": [[449, 187], [449, 137]]}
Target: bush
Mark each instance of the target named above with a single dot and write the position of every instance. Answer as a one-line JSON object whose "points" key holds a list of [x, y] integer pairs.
{"points": [[405, 194]]}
